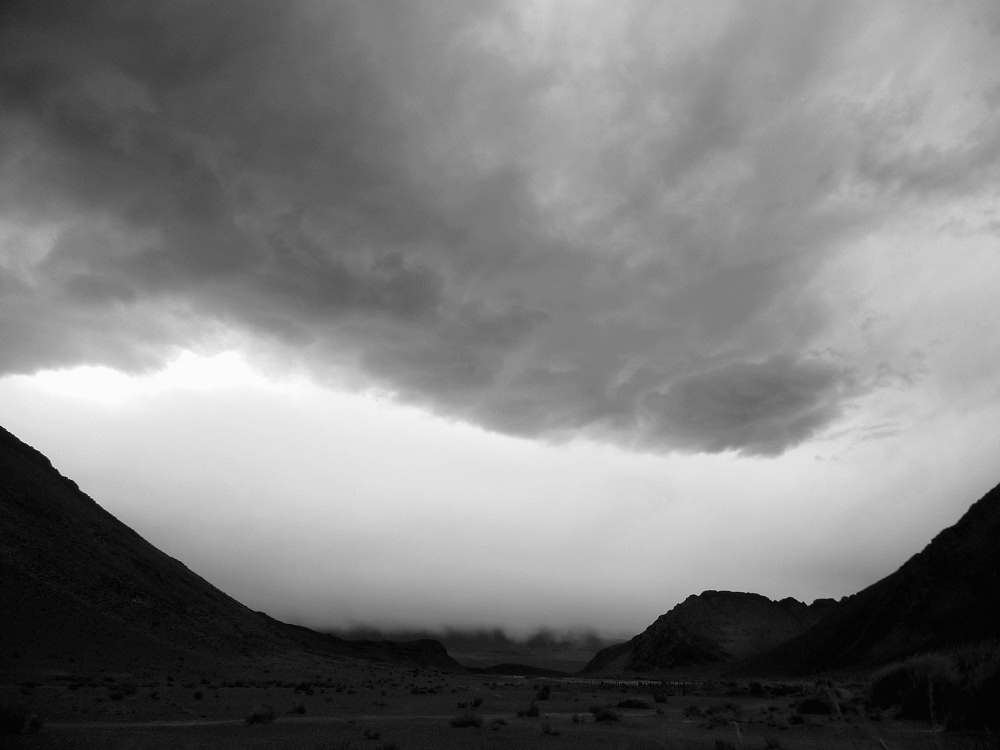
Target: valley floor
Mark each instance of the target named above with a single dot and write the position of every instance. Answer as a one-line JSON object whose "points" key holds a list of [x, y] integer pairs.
{"points": [[379, 707]]}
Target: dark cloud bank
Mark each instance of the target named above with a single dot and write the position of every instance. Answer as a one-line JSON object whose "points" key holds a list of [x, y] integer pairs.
{"points": [[437, 201]]}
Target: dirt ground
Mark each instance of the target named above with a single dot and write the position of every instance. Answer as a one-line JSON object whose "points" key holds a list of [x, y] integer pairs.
{"points": [[383, 707]]}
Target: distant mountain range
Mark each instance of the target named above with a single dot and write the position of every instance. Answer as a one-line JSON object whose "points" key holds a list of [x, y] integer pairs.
{"points": [[942, 597], [493, 651]]}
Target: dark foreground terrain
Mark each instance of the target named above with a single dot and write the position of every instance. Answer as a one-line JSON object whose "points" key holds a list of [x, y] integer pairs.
{"points": [[378, 706]]}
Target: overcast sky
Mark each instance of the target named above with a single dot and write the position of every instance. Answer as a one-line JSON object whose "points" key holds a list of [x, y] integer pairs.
{"points": [[525, 314]]}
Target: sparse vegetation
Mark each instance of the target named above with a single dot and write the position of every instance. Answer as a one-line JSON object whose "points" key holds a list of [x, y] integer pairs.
{"points": [[260, 715], [816, 704], [723, 714], [530, 711], [604, 714], [959, 688], [634, 703], [468, 719]]}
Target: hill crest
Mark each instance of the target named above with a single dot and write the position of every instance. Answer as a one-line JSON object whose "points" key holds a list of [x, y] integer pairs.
{"points": [[80, 587], [942, 597], [710, 628]]}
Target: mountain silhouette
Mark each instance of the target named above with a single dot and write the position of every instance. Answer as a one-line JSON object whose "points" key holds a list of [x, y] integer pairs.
{"points": [[942, 597], [81, 588], [710, 628]]}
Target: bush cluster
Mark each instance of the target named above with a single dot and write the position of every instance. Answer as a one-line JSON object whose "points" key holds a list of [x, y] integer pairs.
{"points": [[959, 687], [260, 715], [530, 711]]}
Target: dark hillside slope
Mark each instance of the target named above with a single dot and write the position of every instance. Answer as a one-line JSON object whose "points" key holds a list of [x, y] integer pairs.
{"points": [[80, 590], [944, 596], [710, 628]]}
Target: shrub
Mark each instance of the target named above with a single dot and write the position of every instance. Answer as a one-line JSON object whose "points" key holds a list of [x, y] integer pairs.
{"points": [[544, 693], [497, 723], [723, 714], [604, 713], [298, 708], [547, 729], [13, 717], [815, 704], [371, 734], [921, 687], [530, 711], [660, 698], [776, 721], [477, 701], [724, 708], [260, 715], [692, 712], [468, 719], [960, 687]]}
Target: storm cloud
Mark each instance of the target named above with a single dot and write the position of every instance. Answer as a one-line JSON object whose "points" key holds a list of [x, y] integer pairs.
{"points": [[754, 407], [547, 219]]}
